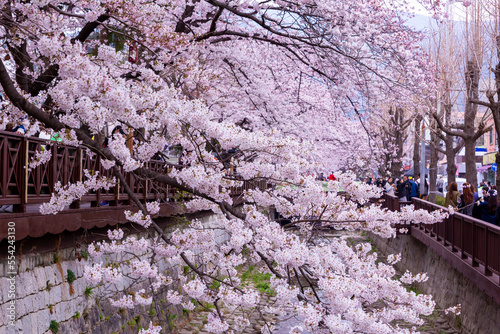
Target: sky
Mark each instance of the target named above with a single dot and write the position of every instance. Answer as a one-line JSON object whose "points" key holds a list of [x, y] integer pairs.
{"points": [[456, 10]]}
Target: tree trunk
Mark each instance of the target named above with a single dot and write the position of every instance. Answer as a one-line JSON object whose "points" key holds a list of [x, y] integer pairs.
{"points": [[451, 167], [472, 87], [470, 162], [416, 147], [433, 167], [396, 123]]}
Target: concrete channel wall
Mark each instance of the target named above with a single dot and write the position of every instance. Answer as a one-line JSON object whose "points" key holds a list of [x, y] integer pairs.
{"points": [[43, 295], [480, 313]]}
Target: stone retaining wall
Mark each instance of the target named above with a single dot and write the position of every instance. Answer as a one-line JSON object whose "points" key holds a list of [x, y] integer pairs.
{"points": [[480, 313], [43, 295]]}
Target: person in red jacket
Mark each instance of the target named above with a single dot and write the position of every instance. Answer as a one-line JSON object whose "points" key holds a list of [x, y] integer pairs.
{"points": [[331, 177]]}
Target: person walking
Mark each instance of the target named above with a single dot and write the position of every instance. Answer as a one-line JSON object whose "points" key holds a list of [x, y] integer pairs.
{"points": [[453, 196], [477, 212], [466, 200], [489, 207], [413, 189], [389, 189], [401, 190]]}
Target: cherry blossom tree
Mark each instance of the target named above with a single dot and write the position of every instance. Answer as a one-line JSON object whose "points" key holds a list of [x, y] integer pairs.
{"points": [[287, 84]]}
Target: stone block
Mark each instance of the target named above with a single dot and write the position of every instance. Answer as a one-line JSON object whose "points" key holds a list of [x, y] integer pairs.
{"points": [[50, 275], [28, 303], [45, 298], [65, 291], [4, 290], [43, 318], [55, 295], [34, 323], [31, 282], [80, 303], [3, 315], [18, 328], [26, 324], [64, 311], [58, 275], [10, 330], [20, 308], [38, 301], [41, 279], [25, 285], [79, 286]]}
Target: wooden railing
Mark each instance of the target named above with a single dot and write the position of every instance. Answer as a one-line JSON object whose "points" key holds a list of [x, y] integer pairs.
{"points": [[471, 245], [22, 187], [471, 238]]}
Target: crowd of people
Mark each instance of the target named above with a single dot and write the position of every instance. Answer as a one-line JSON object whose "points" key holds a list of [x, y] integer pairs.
{"points": [[471, 203], [405, 188], [481, 204]]}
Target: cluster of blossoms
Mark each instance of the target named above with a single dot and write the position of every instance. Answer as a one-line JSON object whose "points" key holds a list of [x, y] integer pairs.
{"points": [[215, 324], [151, 330], [130, 301], [138, 218], [409, 278], [65, 195], [41, 157], [393, 259], [456, 310]]}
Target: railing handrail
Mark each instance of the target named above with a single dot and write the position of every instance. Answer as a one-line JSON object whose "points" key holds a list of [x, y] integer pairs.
{"points": [[20, 186], [459, 214], [464, 241]]}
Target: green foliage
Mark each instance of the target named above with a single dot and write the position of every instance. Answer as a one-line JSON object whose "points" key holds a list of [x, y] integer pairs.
{"points": [[88, 291], [85, 255], [54, 326], [440, 200], [261, 280], [263, 287], [215, 284], [77, 315], [171, 318], [71, 276], [413, 289]]}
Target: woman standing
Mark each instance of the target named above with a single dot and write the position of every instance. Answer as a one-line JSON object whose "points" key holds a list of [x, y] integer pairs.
{"points": [[466, 199], [489, 207], [453, 196]]}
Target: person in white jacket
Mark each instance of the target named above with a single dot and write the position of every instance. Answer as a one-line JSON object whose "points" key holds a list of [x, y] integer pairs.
{"points": [[389, 187]]}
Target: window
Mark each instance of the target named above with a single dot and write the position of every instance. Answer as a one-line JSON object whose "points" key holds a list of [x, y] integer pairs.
{"points": [[491, 137]]}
